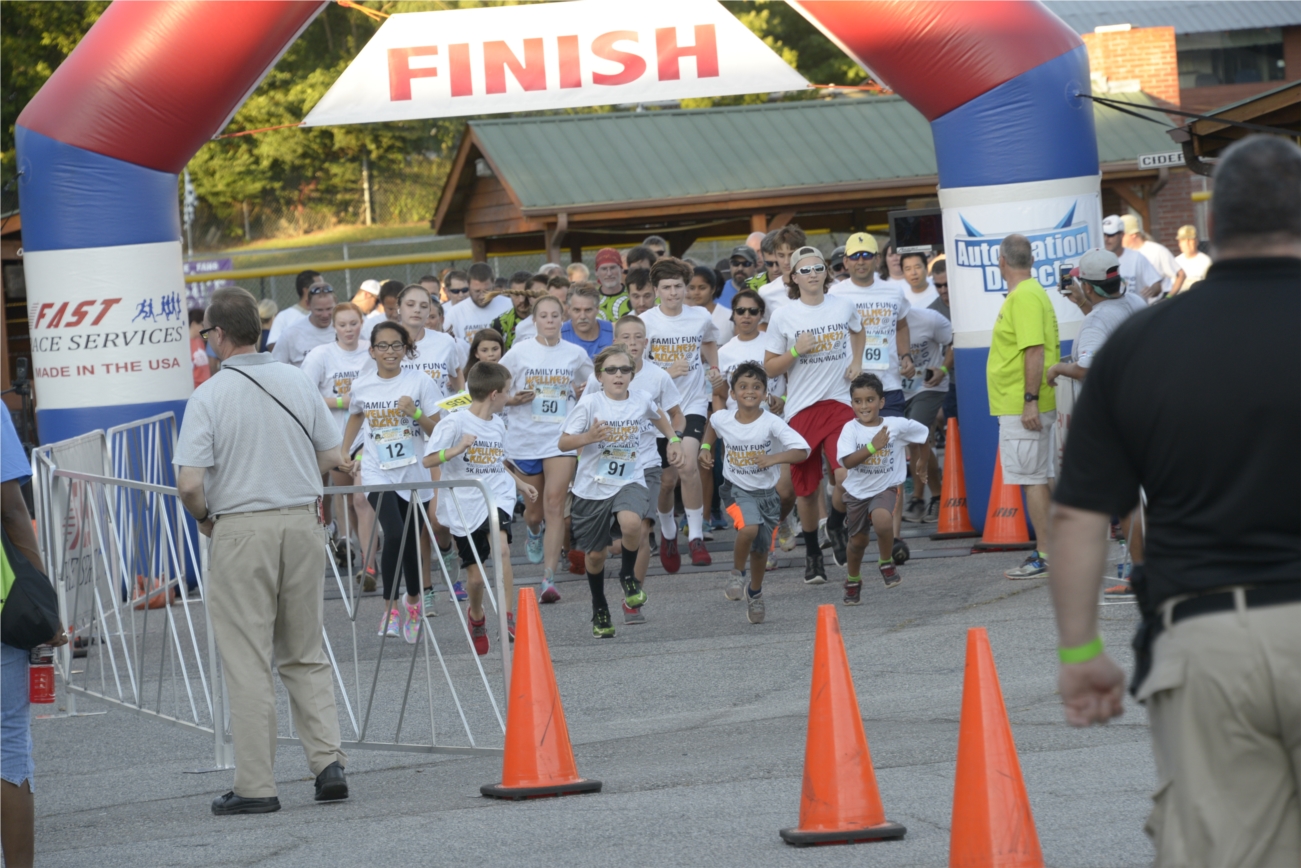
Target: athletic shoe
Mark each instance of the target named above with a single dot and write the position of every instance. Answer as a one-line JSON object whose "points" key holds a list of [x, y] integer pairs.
{"points": [[754, 612], [459, 590], [735, 586], [814, 572], [889, 574], [899, 552], [718, 522], [601, 626], [933, 511], [633, 594], [853, 592], [707, 533], [427, 603], [1124, 589], [389, 624], [699, 554], [1034, 567], [549, 592], [823, 541], [683, 528], [577, 563], [633, 615], [772, 560], [411, 629], [510, 625], [669, 557], [839, 542], [533, 547], [479, 633], [654, 546], [785, 535], [916, 510], [452, 564], [367, 579]]}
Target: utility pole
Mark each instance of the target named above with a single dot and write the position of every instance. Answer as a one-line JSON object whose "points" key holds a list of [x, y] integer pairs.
{"points": [[365, 185], [248, 236], [191, 200]]}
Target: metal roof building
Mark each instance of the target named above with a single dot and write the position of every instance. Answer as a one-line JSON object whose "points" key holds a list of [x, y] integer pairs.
{"points": [[571, 181], [1188, 16]]}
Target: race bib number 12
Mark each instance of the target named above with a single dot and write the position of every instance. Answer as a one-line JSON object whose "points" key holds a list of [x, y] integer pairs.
{"points": [[396, 447]]}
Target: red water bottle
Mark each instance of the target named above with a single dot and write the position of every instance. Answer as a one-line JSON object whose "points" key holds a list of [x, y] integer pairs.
{"points": [[40, 684]]}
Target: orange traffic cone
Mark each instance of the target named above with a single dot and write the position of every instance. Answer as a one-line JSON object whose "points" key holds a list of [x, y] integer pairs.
{"points": [[156, 597], [840, 803], [954, 521], [1005, 527], [992, 826], [538, 761]]}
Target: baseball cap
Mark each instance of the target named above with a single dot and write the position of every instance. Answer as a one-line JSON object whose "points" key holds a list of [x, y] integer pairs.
{"points": [[838, 255], [1097, 265], [1187, 233], [860, 242], [807, 252], [608, 256], [371, 287], [1112, 224], [1132, 224], [745, 253]]}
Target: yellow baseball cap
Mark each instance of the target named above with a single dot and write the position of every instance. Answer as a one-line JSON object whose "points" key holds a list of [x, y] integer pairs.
{"points": [[1132, 224], [860, 242], [1187, 233]]}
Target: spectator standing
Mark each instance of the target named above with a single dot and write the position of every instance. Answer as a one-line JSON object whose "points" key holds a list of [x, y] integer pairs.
{"points": [[1191, 260], [585, 327], [198, 349], [290, 315], [249, 471], [1097, 290], [1217, 654], [1172, 277], [299, 339], [1023, 348], [609, 277], [1137, 274], [463, 320]]}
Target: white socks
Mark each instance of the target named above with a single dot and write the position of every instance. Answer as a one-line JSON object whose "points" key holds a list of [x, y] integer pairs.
{"points": [[668, 527], [695, 523]]}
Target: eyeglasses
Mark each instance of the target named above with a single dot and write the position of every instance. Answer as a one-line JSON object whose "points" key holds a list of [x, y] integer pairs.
{"points": [[203, 333], [770, 263], [618, 369], [860, 256], [389, 348], [746, 311], [811, 269], [462, 291], [323, 289]]}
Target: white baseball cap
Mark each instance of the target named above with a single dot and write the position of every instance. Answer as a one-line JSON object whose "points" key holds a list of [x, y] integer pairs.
{"points": [[1097, 265], [1112, 225], [371, 287]]}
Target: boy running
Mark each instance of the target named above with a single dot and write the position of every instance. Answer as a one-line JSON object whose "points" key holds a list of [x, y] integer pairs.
{"points": [[873, 467], [609, 485], [750, 474], [471, 445]]}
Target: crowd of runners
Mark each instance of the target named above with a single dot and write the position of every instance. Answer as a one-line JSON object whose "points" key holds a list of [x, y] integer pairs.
{"points": [[797, 399]]}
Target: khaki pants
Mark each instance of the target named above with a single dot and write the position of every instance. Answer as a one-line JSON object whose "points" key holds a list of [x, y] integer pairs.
{"points": [[265, 594], [1224, 701]]}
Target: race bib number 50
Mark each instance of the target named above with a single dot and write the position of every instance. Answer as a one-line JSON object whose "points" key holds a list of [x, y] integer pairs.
{"points": [[550, 404]]}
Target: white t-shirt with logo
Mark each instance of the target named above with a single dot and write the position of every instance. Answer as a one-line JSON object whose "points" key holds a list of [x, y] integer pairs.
{"points": [[464, 513], [466, 318], [1100, 322], [774, 296], [737, 352], [1163, 260], [609, 465], [923, 298], [881, 306], [818, 375], [1194, 267], [332, 369], [300, 338], [1136, 273], [438, 359], [652, 382], [744, 442], [393, 442], [283, 320], [889, 465], [551, 373], [670, 338], [929, 332]]}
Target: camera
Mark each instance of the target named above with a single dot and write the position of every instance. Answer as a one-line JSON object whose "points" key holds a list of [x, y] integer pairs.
{"points": [[1064, 277]]}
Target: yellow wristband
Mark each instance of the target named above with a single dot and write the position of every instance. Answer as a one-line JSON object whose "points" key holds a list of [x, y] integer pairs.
{"points": [[1081, 653], [706, 446], [944, 369], [442, 456], [338, 402], [794, 354], [871, 450], [416, 416], [675, 439]]}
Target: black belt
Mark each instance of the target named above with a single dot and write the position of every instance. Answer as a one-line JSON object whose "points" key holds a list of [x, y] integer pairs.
{"points": [[1222, 601]]}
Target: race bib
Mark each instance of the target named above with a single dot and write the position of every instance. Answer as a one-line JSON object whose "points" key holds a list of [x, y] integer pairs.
{"points": [[910, 384], [876, 353], [550, 404], [616, 464], [395, 447]]}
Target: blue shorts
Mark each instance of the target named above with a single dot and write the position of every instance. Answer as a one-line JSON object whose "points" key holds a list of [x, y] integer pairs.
{"points": [[531, 467], [894, 403], [15, 718]]}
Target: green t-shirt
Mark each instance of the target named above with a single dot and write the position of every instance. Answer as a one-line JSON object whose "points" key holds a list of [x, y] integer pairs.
{"points": [[613, 307], [1026, 319]]}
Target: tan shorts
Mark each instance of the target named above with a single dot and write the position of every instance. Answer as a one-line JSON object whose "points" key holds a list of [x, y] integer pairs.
{"points": [[858, 513], [1027, 456]]}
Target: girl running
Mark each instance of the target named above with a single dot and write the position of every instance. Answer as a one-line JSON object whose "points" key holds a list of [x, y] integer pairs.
{"points": [[547, 376], [609, 484], [393, 409], [487, 346]]}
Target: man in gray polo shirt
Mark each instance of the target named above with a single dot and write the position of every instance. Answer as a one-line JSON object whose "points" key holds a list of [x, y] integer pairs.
{"points": [[254, 443]]}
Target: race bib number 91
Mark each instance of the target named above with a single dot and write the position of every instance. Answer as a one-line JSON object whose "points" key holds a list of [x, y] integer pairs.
{"points": [[616, 464]]}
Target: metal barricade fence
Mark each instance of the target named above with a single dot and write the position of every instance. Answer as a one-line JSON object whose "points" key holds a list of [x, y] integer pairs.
{"points": [[161, 661]]}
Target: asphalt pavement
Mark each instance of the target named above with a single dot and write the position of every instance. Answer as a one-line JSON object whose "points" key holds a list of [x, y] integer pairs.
{"points": [[694, 721]]}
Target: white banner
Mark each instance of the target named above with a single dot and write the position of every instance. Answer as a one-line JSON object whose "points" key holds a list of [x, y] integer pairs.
{"points": [[550, 56]]}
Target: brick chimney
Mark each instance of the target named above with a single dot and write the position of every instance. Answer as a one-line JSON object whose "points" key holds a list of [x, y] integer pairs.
{"points": [[1121, 53]]}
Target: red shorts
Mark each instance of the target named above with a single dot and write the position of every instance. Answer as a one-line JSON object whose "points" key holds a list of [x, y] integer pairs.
{"points": [[820, 425]]}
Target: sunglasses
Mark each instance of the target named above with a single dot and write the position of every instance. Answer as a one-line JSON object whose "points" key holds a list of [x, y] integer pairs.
{"points": [[389, 348], [860, 256], [746, 311], [740, 263], [462, 291], [810, 269], [944, 285], [203, 333], [323, 289], [770, 263], [618, 369]]}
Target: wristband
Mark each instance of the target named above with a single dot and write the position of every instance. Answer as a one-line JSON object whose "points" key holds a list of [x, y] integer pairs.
{"points": [[1081, 653], [338, 402], [905, 355], [207, 514], [794, 354], [944, 369], [675, 439], [706, 446], [442, 456], [415, 417], [871, 450]]}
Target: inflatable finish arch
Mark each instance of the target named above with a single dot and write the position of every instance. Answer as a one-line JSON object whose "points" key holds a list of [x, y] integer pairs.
{"points": [[1016, 152], [99, 150]]}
